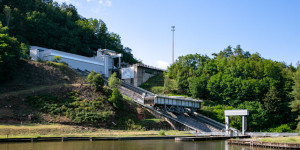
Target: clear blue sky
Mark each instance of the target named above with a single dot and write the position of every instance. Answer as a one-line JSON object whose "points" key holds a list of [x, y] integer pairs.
{"points": [[269, 27]]}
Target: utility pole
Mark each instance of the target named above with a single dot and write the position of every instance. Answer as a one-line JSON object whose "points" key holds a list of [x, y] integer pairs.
{"points": [[173, 29]]}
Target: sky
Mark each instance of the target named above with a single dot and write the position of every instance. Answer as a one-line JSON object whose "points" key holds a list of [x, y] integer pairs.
{"points": [[269, 27]]}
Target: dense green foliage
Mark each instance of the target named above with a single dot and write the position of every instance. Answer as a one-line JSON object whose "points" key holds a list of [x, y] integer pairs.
{"points": [[9, 54], [47, 24], [96, 80], [241, 80], [113, 81], [81, 111], [116, 98], [295, 105]]}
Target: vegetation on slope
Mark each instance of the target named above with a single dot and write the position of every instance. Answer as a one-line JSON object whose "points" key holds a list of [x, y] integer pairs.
{"points": [[54, 93], [235, 79], [31, 74]]}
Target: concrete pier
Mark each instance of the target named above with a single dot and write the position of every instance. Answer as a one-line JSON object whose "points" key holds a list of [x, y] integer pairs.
{"points": [[252, 143]]}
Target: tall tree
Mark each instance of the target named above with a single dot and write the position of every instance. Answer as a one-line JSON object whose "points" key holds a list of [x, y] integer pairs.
{"points": [[295, 105], [9, 54]]}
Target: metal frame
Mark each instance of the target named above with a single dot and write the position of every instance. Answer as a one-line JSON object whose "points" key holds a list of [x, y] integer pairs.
{"points": [[178, 109], [242, 112]]}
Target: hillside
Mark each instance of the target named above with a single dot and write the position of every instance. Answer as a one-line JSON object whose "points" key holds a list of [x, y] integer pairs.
{"points": [[49, 92], [234, 79], [32, 74]]}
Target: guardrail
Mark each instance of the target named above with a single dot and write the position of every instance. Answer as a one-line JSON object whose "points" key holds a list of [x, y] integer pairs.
{"points": [[208, 133], [270, 134]]}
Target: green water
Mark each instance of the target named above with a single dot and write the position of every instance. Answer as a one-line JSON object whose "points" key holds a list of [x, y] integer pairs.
{"points": [[125, 145]]}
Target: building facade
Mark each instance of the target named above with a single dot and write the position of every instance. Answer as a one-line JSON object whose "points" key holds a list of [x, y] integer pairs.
{"points": [[102, 63]]}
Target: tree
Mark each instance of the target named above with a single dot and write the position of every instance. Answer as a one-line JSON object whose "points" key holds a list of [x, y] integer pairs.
{"points": [[257, 119], [47, 24], [271, 100], [9, 54], [113, 81], [7, 12], [198, 87], [295, 105]]}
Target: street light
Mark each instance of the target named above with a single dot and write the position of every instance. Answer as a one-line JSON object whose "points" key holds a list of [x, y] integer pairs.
{"points": [[173, 29]]}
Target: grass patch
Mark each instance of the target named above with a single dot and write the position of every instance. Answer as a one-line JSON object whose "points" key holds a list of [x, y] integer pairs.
{"points": [[57, 130], [281, 140]]}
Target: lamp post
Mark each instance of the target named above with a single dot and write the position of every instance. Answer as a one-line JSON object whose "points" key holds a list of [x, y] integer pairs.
{"points": [[173, 29]]}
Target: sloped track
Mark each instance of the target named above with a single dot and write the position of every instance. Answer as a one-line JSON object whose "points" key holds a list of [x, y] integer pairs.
{"points": [[193, 121]]}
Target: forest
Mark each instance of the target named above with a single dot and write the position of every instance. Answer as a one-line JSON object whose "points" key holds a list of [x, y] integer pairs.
{"points": [[236, 79], [48, 24]]}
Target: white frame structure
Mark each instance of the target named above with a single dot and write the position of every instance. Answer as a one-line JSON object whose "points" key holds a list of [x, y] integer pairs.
{"points": [[241, 112]]}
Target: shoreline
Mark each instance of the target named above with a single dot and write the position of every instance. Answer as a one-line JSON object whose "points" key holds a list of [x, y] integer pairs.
{"points": [[63, 139]]}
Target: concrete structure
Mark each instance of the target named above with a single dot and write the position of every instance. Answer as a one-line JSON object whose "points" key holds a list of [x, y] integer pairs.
{"points": [[139, 73], [102, 63], [243, 113]]}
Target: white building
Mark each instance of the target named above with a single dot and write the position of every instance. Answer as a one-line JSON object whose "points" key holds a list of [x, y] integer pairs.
{"points": [[102, 63]]}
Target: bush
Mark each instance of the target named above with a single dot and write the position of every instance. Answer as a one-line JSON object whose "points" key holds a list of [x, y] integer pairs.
{"points": [[57, 64], [96, 80], [56, 58], [281, 128], [116, 98], [162, 133], [113, 81]]}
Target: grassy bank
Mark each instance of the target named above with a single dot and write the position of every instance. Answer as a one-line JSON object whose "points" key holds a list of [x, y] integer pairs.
{"points": [[281, 140], [57, 130]]}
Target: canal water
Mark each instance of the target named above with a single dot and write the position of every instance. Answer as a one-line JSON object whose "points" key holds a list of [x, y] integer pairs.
{"points": [[126, 145]]}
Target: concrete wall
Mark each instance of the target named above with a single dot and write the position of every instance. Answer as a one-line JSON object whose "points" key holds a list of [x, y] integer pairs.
{"points": [[101, 63], [142, 74]]}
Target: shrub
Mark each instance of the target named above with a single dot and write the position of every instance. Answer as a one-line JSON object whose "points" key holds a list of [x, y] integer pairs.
{"points": [[116, 98], [96, 80], [113, 81], [57, 64], [56, 58], [281, 128], [162, 133]]}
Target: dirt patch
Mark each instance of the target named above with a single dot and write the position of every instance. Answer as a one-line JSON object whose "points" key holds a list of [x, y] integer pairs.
{"points": [[33, 74]]}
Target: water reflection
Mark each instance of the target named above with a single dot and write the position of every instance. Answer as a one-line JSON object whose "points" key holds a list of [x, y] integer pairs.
{"points": [[126, 145]]}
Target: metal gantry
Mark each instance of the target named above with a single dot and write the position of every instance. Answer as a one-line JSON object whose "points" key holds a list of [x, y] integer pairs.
{"points": [[176, 104]]}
